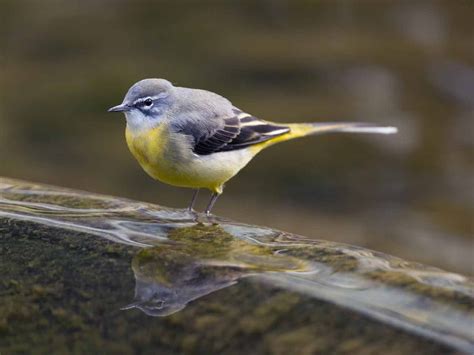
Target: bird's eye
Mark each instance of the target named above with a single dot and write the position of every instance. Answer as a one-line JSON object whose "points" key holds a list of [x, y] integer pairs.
{"points": [[148, 102]]}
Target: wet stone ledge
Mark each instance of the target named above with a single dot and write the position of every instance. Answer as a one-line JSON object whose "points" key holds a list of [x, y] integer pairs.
{"points": [[82, 272]]}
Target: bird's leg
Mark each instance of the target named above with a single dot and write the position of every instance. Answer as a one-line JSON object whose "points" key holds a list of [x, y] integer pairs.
{"points": [[213, 200], [193, 200]]}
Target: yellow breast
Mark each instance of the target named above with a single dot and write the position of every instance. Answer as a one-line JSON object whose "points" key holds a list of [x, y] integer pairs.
{"points": [[149, 148], [168, 157]]}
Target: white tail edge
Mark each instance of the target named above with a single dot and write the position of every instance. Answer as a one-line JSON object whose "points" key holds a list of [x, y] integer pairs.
{"points": [[368, 129], [350, 127]]}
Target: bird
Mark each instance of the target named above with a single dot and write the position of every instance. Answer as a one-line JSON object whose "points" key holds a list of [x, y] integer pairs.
{"points": [[197, 139]]}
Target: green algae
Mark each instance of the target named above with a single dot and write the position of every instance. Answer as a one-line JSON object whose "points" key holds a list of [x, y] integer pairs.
{"points": [[60, 200], [403, 281], [68, 301], [213, 242], [50, 195], [337, 259], [49, 289], [66, 281]]}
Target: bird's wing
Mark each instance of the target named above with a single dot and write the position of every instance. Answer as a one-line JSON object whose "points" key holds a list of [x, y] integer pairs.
{"points": [[237, 132]]}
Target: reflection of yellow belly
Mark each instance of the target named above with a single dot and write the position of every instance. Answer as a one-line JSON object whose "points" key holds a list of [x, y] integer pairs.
{"points": [[168, 157]]}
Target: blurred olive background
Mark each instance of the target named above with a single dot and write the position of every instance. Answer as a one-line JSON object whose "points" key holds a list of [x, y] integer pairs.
{"points": [[403, 63]]}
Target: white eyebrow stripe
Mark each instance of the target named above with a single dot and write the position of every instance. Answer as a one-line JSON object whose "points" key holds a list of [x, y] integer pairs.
{"points": [[139, 100], [142, 99]]}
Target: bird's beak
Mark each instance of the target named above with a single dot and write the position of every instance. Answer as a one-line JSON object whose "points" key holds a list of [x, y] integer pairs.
{"points": [[119, 108]]}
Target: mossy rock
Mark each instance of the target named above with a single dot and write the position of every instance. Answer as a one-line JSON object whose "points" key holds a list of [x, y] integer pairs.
{"points": [[198, 287]]}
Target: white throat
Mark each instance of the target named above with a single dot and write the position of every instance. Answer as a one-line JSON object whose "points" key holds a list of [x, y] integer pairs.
{"points": [[138, 122]]}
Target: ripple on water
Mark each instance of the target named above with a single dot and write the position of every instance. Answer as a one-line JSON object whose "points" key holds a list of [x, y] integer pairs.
{"points": [[204, 256]]}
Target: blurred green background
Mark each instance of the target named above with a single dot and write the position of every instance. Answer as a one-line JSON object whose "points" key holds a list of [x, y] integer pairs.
{"points": [[403, 63]]}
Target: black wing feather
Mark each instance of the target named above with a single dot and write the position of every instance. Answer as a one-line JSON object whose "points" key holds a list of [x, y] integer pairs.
{"points": [[235, 134], [214, 141]]}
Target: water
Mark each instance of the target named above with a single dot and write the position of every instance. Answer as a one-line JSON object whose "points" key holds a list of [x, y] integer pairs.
{"points": [[83, 271]]}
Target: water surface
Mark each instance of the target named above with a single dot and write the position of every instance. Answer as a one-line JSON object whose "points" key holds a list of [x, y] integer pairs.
{"points": [[83, 271]]}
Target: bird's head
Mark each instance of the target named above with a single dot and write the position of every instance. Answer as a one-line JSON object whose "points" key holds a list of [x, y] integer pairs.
{"points": [[145, 102]]}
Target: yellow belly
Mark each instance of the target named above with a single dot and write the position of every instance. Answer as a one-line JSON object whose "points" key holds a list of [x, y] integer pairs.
{"points": [[168, 157]]}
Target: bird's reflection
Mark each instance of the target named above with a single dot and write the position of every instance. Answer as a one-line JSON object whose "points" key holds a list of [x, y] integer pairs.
{"points": [[167, 280], [201, 260]]}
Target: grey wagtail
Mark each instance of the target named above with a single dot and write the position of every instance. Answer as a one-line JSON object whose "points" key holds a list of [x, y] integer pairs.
{"points": [[198, 139]]}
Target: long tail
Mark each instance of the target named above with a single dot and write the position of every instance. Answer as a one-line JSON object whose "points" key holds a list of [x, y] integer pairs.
{"points": [[305, 129]]}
